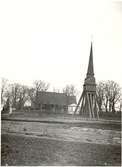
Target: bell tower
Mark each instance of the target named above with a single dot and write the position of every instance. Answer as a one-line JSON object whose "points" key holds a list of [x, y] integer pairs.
{"points": [[87, 104]]}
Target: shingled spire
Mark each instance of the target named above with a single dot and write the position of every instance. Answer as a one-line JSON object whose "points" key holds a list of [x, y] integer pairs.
{"points": [[90, 71]]}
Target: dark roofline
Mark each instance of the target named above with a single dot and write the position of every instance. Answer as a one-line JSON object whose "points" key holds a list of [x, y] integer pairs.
{"points": [[55, 93]]}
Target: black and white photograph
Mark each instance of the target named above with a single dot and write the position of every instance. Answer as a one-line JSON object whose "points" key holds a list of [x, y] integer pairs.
{"points": [[60, 82]]}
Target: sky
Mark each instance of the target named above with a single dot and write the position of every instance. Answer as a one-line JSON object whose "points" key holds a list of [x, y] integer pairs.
{"points": [[50, 40]]}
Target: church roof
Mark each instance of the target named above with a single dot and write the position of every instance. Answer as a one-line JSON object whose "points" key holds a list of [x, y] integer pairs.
{"points": [[55, 98]]}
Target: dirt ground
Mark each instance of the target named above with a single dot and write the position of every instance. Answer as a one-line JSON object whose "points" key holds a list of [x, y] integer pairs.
{"points": [[36, 143], [70, 132], [31, 151]]}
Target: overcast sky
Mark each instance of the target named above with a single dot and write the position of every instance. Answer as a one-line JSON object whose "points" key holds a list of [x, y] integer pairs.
{"points": [[50, 40]]}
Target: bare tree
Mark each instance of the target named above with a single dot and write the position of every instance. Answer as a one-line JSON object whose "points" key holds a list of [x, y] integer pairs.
{"points": [[120, 105], [56, 90], [70, 90], [109, 93], [38, 86], [14, 94], [41, 86], [106, 94], [22, 96], [4, 85], [114, 93], [7, 97], [17, 95], [100, 94]]}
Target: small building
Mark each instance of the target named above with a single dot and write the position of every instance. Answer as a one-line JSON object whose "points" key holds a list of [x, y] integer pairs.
{"points": [[71, 108], [52, 102]]}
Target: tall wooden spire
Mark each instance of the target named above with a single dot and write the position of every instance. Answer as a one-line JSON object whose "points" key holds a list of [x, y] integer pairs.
{"points": [[87, 105], [90, 70]]}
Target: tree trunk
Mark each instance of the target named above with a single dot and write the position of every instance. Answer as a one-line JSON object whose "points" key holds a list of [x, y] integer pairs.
{"points": [[113, 107], [106, 106], [110, 106], [99, 102], [100, 106]]}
